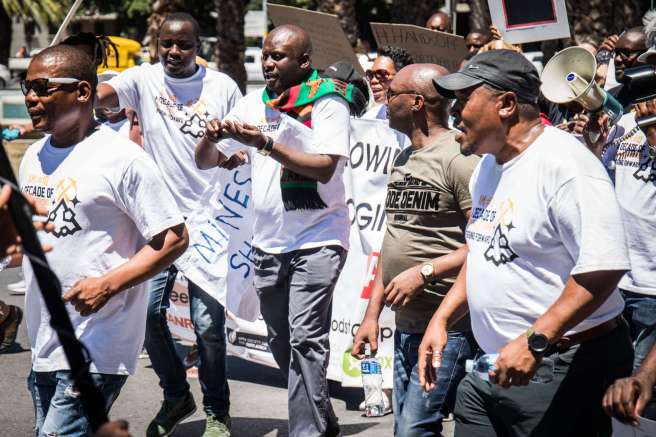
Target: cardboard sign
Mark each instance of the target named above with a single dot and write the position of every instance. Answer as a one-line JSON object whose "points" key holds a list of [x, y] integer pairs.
{"points": [[425, 46], [520, 21], [329, 44]]}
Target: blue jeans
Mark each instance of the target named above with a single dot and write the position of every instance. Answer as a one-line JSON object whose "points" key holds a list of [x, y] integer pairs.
{"points": [[57, 408], [640, 313], [208, 318], [418, 413]]}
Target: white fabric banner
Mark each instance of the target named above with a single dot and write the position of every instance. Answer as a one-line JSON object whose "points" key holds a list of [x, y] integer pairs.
{"points": [[219, 253]]}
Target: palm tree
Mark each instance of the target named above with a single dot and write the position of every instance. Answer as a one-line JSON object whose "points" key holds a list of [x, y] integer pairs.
{"points": [[479, 17], [48, 11], [231, 44], [345, 11]]}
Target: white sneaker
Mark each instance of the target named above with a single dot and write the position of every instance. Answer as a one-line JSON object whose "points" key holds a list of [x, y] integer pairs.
{"points": [[17, 287]]}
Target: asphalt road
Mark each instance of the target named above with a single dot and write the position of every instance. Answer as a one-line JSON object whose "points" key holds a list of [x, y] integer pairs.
{"points": [[258, 396]]}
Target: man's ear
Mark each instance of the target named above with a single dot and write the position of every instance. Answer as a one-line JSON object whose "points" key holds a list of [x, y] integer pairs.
{"points": [[84, 91], [305, 60], [418, 103], [507, 104]]}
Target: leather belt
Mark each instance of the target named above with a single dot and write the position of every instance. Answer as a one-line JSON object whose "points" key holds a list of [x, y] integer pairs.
{"points": [[564, 343]]}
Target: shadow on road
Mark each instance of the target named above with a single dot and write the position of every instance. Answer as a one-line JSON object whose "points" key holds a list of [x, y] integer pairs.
{"points": [[258, 427]]}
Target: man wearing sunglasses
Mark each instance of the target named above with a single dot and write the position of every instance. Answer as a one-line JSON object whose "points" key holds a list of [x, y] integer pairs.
{"points": [[390, 59], [427, 206], [113, 226], [174, 101]]}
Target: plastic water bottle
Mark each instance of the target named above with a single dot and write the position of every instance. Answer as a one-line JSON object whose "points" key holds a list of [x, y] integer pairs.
{"points": [[485, 364], [372, 382]]}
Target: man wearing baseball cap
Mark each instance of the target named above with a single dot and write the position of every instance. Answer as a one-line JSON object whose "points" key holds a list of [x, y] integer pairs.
{"points": [[546, 251]]}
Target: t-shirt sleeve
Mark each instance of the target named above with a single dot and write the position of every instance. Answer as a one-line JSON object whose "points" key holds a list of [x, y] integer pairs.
{"points": [[126, 87], [330, 125], [145, 198], [588, 219], [459, 172]]}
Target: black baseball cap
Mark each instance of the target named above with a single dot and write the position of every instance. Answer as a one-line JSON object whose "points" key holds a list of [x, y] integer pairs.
{"points": [[505, 70]]}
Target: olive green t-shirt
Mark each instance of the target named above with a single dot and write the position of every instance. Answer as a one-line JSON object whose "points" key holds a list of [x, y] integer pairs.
{"points": [[426, 196]]}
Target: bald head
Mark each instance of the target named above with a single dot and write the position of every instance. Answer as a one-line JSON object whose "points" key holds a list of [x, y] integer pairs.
{"points": [[439, 21], [419, 77], [292, 35], [414, 103]]}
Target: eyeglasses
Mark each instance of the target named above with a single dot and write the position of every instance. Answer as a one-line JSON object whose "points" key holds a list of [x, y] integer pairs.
{"points": [[381, 75], [627, 54], [43, 87], [477, 46], [391, 94]]}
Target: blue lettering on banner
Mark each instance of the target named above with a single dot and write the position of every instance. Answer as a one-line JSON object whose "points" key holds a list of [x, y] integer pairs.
{"points": [[245, 258], [214, 244], [235, 199]]}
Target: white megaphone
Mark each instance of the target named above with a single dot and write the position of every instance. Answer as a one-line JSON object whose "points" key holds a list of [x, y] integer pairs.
{"points": [[569, 76]]}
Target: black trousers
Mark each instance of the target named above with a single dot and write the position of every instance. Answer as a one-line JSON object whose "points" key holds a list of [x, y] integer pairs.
{"points": [[568, 406]]}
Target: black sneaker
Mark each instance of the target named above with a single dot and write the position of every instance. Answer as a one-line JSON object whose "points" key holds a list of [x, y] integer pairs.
{"points": [[9, 328], [169, 415]]}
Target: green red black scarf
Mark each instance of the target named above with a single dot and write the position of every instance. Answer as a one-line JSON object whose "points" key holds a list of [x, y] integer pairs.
{"points": [[300, 192]]}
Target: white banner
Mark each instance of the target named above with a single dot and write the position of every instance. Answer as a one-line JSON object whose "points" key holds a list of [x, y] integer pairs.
{"points": [[220, 246]]}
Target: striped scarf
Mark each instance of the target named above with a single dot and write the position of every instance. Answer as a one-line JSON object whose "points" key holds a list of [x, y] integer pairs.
{"points": [[298, 191]]}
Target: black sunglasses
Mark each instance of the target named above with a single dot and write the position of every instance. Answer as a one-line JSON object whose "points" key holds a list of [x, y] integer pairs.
{"points": [[42, 87]]}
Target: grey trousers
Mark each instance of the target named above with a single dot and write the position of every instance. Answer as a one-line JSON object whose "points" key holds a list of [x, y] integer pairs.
{"points": [[296, 295]]}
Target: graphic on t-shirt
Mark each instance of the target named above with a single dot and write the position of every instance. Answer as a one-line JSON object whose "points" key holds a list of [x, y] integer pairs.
{"points": [[411, 196], [492, 225], [646, 172], [191, 117], [62, 215], [499, 251]]}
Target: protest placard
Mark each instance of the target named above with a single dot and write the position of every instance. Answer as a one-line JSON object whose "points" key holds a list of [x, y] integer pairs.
{"points": [[520, 21], [425, 45], [329, 43]]}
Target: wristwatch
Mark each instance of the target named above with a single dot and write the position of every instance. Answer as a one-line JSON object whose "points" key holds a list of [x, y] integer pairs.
{"points": [[266, 149], [537, 343], [427, 272]]}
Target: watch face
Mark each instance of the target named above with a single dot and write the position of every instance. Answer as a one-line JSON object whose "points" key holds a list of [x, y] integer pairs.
{"points": [[427, 270], [538, 343]]}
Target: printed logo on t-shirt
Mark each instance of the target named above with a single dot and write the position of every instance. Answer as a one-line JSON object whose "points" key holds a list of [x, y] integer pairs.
{"points": [[646, 171], [191, 117], [62, 215], [633, 151], [411, 196], [491, 223]]}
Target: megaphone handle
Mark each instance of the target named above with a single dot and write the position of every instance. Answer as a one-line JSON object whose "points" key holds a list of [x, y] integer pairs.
{"points": [[645, 122]]}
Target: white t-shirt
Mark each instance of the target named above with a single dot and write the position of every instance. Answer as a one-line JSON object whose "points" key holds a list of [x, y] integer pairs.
{"points": [[122, 127], [277, 229], [635, 185], [173, 115], [107, 200], [376, 112], [547, 214]]}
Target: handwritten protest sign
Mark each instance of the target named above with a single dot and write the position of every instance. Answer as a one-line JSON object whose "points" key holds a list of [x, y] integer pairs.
{"points": [[520, 21], [328, 40], [425, 46]]}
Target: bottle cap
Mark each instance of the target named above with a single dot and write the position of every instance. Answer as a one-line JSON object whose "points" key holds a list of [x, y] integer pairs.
{"points": [[367, 349]]}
